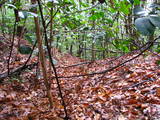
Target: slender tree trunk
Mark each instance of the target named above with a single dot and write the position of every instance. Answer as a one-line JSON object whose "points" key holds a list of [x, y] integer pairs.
{"points": [[51, 60], [93, 44], [51, 38], [42, 58], [11, 48]]}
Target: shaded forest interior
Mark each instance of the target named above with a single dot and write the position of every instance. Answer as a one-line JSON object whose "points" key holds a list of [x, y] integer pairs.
{"points": [[79, 60]]}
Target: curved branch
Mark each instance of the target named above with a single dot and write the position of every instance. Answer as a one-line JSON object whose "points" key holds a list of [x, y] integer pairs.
{"points": [[142, 49]]}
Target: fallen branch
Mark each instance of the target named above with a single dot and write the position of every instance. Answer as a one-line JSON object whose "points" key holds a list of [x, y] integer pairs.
{"points": [[17, 71], [140, 83], [142, 49]]}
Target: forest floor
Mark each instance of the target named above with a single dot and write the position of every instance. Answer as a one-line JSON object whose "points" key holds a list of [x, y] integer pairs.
{"points": [[128, 92]]}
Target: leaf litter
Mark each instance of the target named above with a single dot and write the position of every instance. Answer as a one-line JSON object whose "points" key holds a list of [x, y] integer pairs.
{"points": [[129, 92]]}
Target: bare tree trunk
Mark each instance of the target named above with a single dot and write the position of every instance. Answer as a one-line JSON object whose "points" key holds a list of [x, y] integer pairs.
{"points": [[93, 44], [42, 58], [51, 38]]}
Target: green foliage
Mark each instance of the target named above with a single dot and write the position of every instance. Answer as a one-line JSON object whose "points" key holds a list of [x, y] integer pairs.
{"points": [[51, 3], [81, 24], [134, 2], [121, 44], [158, 48], [137, 2], [30, 38], [71, 23], [96, 16], [124, 7]]}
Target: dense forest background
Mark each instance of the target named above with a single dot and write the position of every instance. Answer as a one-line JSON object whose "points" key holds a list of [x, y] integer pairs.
{"points": [[79, 59], [87, 29]]}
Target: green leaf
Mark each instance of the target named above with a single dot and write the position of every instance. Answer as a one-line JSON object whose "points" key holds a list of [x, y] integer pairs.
{"points": [[155, 20], [51, 3], [144, 26], [121, 44], [71, 23], [96, 16], [84, 4], [136, 2], [124, 7], [124, 48]]}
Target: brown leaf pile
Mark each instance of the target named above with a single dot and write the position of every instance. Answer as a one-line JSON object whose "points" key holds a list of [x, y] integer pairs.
{"points": [[130, 92]]}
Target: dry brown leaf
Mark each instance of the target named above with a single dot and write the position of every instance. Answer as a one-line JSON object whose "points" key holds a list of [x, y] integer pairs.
{"points": [[158, 91]]}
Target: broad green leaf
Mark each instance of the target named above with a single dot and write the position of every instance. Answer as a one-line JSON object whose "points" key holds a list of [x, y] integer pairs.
{"points": [[155, 20], [144, 26]]}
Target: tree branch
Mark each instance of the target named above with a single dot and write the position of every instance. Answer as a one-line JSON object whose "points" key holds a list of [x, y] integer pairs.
{"points": [[142, 49]]}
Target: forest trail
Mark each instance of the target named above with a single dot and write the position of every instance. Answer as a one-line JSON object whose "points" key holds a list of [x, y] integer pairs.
{"points": [[129, 92]]}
